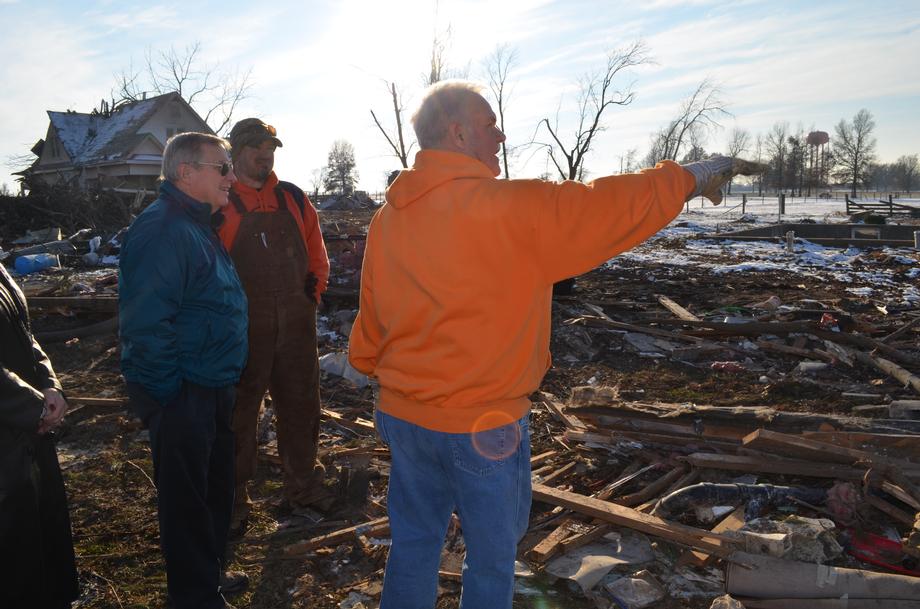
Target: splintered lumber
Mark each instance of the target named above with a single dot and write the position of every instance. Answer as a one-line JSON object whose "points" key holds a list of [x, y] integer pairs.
{"points": [[675, 308], [538, 459], [560, 472], [905, 377], [899, 493], [374, 527], [732, 522], [775, 466], [559, 411], [755, 328], [901, 444], [358, 426], [778, 347], [88, 401], [549, 546], [634, 519], [915, 321], [788, 445], [729, 421], [652, 489], [892, 511]]}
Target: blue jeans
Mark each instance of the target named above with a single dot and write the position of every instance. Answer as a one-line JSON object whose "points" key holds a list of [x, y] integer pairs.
{"points": [[485, 477]]}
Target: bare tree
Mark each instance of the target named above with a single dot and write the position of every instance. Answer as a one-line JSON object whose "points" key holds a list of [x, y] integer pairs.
{"points": [[498, 65], [318, 180], [906, 171], [698, 112], [214, 92], [776, 146], [597, 92], [855, 148], [396, 140], [738, 141]]}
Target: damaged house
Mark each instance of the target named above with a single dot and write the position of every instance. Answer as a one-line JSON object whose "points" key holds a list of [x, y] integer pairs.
{"points": [[119, 149]]}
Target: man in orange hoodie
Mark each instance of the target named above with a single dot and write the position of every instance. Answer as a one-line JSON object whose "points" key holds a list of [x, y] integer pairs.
{"points": [[454, 323], [273, 235]]}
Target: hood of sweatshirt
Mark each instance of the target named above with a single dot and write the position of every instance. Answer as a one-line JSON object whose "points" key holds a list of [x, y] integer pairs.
{"points": [[431, 169]]}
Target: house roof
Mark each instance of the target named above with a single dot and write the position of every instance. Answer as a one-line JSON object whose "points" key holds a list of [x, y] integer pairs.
{"points": [[93, 138]]}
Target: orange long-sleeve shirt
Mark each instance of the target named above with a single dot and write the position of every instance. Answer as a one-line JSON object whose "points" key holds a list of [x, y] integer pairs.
{"points": [[456, 287], [264, 200]]}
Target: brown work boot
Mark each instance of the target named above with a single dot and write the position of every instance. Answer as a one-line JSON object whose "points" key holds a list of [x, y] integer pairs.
{"points": [[233, 582], [310, 492]]}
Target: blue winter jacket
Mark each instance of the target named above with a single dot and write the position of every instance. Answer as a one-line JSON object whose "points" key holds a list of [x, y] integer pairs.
{"points": [[182, 309]]}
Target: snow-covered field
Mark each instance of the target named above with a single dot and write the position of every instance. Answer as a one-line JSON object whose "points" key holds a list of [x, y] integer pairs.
{"points": [[888, 276]]}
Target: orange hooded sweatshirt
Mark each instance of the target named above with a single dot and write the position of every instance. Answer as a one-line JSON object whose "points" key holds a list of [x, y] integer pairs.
{"points": [[456, 287]]}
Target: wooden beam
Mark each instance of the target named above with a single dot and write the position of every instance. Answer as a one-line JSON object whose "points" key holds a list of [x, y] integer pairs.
{"points": [[732, 522], [903, 376], [892, 511], [374, 527], [559, 411], [634, 519], [652, 489], [776, 466], [787, 445], [549, 545], [675, 308]]}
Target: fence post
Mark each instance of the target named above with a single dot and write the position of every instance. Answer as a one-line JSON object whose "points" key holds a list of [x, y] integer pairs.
{"points": [[917, 239], [790, 242], [782, 204], [743, 203]]}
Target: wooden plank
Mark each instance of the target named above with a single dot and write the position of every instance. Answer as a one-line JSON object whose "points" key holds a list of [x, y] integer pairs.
{"points": [[359, 426], [894, 512], [538, 459], [559, 411], [899, 444], [900, 494], [342, 535], [652, 490], [903, 376], [106, 402], [579, 539], [549, 545], [559, 472], [776, 466], [675, 308], [778, 347], [797, 447], [633, 519], [732, 522]]}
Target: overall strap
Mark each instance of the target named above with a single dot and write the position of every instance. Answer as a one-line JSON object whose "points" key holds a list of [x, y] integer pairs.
{"points": [[237, 202]]}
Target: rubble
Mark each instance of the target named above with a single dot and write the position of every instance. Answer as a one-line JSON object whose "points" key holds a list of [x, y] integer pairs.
{"points": [[674, 370]]}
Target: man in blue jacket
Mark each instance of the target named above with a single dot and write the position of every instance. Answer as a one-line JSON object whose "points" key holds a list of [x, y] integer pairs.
{"points": [[182, 316]]}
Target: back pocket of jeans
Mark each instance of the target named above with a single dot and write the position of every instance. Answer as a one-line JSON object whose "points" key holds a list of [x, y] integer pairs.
{"points": [[483, 452]]}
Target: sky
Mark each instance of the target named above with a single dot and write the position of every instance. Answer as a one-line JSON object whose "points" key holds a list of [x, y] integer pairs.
{"points": [[318, 67]]}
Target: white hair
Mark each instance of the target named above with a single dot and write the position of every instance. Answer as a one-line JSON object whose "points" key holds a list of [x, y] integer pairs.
{"points": [[442, 104], [186, 148]]}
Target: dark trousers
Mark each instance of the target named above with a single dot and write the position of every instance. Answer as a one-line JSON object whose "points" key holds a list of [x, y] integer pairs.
{"points": [[37, 567], [192, 443]]}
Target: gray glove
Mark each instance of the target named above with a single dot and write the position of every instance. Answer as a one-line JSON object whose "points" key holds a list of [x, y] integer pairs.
{"points": [[712, 174]]}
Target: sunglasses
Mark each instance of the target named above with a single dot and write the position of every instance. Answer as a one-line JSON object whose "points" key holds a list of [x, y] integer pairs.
{"points": [[225, 167]]}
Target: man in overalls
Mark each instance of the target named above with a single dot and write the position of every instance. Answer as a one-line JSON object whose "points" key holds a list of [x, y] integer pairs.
{"points": [[273, 235]]}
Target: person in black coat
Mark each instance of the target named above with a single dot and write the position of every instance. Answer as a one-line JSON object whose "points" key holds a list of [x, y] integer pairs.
{"points": [[37, 566]]}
